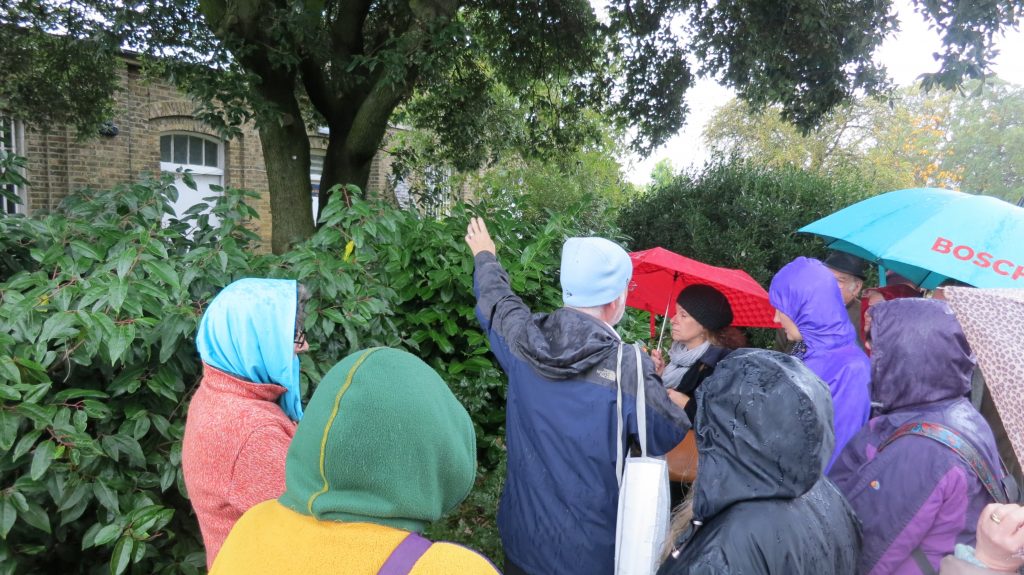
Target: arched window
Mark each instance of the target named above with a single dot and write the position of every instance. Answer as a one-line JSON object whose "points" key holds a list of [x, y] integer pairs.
{"points": [[202, 156]]}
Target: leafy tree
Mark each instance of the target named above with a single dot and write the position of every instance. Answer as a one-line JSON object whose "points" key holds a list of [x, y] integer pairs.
{"points": [[970, 140], [355, 61]]}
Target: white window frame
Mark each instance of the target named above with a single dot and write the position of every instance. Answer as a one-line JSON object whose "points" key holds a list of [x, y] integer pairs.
{"points": [[196, 168], [17, 130]]}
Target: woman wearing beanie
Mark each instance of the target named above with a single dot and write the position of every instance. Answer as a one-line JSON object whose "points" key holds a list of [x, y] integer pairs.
{"points": [[703, 315], [242, 418], [383, 450]]}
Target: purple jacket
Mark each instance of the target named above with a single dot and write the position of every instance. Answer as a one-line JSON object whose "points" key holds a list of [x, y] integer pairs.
{"points": [[916, 493], [808, 293]]}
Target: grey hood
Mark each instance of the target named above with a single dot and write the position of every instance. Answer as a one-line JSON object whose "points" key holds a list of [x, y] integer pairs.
{"points": [[764, 431]]}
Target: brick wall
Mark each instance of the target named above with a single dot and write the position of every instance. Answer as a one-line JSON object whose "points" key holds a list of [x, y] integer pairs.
{"points": [[59, 162]]}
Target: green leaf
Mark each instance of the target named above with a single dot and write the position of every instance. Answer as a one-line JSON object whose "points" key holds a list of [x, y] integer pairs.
{"points": [[59, 325], [8, 393], [76, 393], [7, 516], [73, 496], [25, 444], [8, 429], [125, 260], [41, 459], [107, 534], [106, 496], [165, 272], [116, 294], [9, 372], [36, 517], [122, 555], [123, 336]]}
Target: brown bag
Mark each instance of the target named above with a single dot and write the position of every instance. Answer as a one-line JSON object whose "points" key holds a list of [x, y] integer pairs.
{"points": [[682, 460]]}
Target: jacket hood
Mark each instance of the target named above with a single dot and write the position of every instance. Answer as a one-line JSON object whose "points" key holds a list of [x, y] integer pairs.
{"points": [[764, 431], [566, 343], [807, 292], [919, 354], [383, 441]]}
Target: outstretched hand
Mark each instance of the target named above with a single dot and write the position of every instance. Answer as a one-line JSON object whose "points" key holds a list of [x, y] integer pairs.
{"points": [[477, 237]]}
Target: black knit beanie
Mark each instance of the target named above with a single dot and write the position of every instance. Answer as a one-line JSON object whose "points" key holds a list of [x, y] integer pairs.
{"points": [[706, 305]]}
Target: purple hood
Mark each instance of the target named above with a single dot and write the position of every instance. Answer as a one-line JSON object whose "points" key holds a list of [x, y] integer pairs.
{"points": [[919, 354], [808, 293]]}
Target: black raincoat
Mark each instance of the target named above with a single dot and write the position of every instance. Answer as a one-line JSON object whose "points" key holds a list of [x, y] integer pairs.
{"points": [[761, 503]]}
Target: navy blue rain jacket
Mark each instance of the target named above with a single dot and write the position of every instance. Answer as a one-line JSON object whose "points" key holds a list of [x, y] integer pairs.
{"points": [[558, 508]]}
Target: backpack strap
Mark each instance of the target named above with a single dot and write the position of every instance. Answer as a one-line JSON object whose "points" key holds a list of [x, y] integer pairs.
{"points": [[405, 556], [958, 445], [922, 562]]}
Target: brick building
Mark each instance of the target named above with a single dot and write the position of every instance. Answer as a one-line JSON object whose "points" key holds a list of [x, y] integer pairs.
{"points": [[153, 129]]}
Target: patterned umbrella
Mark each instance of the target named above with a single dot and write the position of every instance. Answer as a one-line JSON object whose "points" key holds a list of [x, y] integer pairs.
{"points": [[659, 275], [993, 321]]}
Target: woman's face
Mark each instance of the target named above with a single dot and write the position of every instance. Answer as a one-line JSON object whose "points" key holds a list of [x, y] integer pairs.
{"points": [[687, 330], [792, 332]]}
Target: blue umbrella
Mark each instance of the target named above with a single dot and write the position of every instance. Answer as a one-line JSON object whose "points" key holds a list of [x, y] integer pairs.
{"points": [[928, 235]]}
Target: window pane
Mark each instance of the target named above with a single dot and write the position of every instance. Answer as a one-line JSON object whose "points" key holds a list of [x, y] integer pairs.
{"points": [[316, 166], [195, 151], [180, 149], [165, 148], [211, 154]]}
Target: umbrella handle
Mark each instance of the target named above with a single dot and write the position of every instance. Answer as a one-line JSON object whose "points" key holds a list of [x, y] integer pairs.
{"points": [[664, 321]]}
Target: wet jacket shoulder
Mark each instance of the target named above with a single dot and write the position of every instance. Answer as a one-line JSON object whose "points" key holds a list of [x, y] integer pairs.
{"points": [[916, 493], [558, 508], [761, 504]]}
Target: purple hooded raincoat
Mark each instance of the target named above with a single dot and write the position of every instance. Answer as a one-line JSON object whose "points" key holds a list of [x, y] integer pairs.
{"points": [[807, 292], [916, 493]]}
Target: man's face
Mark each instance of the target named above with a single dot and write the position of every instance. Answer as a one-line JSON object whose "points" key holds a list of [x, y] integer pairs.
{"points": [[849, 285]]}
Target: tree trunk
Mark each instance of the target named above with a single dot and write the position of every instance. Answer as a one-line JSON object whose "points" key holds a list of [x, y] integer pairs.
{"points": [[341, 167], [286, 153]]}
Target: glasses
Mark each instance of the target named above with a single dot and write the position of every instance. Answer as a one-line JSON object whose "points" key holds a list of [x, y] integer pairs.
{"points": [[300, 338], [631, 286]]}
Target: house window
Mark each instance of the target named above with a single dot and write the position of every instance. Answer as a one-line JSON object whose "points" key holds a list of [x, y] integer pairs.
{"points": [[316, 169], [12, 142], [203, 157]]}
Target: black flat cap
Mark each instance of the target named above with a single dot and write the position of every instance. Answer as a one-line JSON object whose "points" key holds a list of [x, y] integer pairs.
{"points": [[847, 263]]}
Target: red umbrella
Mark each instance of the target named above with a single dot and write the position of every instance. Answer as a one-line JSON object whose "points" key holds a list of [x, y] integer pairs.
{"points": [[660, 275]]}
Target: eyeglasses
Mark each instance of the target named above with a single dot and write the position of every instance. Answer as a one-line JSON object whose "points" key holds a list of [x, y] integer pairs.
{"points": [[300, 338]]}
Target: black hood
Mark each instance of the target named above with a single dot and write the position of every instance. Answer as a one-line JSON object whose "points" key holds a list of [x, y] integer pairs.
{"points": [[764, 431], [566, 343]]}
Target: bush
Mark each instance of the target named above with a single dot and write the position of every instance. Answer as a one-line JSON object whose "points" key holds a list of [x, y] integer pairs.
{"points": [[739, 215], [98, 307]]}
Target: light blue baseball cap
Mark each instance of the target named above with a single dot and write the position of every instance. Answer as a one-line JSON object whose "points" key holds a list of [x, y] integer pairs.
{"points": [[595, 271]]}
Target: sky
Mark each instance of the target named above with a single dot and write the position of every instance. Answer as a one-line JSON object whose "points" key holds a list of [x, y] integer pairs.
{"points": [[907, 54]]}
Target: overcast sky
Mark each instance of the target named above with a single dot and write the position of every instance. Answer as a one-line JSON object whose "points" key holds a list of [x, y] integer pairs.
{"points": [[906, 55]]}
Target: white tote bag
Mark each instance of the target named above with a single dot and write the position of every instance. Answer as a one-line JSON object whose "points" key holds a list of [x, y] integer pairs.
{"points": [[643, 518]]}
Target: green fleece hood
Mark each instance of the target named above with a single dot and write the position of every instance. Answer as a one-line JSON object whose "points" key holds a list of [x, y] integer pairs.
{"points": [[383, 440]]}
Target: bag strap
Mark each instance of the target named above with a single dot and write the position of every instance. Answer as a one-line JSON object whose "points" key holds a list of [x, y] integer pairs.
{"points": [[405, 556], [618, 408], [958, 445], [641, 403], [641, 410], [922, 562]]}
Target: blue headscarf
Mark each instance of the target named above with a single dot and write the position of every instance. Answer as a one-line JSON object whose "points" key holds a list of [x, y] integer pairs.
{"points": [[248, 331]]}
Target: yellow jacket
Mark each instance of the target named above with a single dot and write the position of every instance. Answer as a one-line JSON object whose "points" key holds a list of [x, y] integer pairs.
{"points": [[272, 539]]}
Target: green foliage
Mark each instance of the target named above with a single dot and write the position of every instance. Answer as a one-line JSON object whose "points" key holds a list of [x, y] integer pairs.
{"points": [[98, 307], [738, 215], [56, 79], [970, 141]]}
